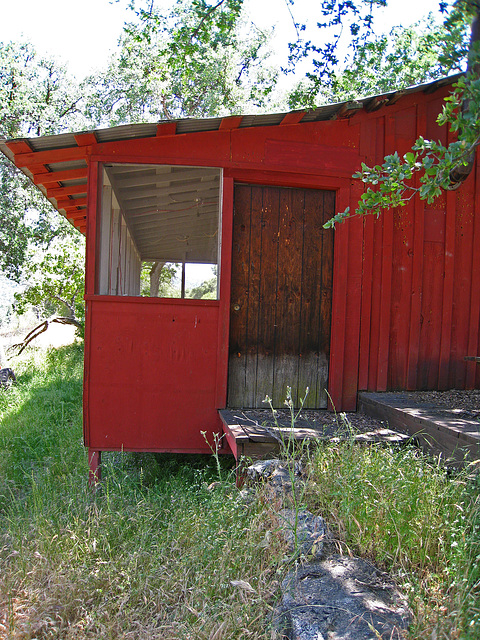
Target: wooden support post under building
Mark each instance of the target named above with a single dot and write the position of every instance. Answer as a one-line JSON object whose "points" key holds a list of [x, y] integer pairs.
{"points": [[95, 472]]}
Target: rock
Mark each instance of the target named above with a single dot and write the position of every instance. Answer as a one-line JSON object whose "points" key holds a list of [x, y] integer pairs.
{"points": [[276, 473], [341, 598], [304, 533]]}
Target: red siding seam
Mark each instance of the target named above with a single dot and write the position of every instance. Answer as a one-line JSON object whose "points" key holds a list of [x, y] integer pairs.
{"points": [[417, 270], [448, 291], [474, 318], [225, 289]]}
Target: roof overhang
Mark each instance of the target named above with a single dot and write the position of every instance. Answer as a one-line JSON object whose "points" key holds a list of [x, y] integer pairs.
{"points": [[58, 164]]}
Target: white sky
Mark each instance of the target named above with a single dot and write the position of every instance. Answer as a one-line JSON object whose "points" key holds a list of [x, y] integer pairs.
{"points": [[83, 32]]}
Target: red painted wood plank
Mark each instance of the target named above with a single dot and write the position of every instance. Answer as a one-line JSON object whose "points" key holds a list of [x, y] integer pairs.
{"points": [[376, 304], [448, 292], [207, 148], [385, 308], [474, 324], [53, 177], [403, 239], [401, 298], [431, 318], [176, 368], [377, 270], [232, 122], [19, 146], [417, 270], [62, 192], [286, 179], [36, 169], [76, 214], [339, 304], [402, 267], [50, 157], [387, 258], [366, 308], [69, 202], [292, 118], [85, 139], [167, 129], [368, 151], [463, 263], [302, 155], [225, 271], [354, 300]]}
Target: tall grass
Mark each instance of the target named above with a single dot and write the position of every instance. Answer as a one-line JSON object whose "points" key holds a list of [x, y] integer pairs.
{"points": [[410, 517], [152, 554]]}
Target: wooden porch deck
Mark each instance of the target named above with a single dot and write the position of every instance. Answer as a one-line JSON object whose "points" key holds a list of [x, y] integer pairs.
{"points": [[252, 433], [449, 432]]}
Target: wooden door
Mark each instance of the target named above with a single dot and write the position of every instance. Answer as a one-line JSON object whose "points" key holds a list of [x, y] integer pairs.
{"points": [[281, 297]]}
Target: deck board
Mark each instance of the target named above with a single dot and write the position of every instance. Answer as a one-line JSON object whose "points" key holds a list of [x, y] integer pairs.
{"points": [[250, 436], [438, 431]]}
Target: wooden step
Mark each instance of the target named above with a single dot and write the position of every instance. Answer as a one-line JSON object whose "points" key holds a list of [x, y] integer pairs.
{"points": [[454, 439]]}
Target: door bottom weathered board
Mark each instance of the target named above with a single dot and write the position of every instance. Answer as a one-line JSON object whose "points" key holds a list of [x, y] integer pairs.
{"points": [[281, 295]]}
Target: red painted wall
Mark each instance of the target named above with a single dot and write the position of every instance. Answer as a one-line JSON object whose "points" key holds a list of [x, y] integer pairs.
{"points": [[406, 290], [151, 375], [420, 275], [406, 293]]}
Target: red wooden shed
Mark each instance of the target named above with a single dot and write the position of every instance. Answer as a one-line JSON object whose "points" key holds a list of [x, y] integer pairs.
{"points": [[387, 304]]}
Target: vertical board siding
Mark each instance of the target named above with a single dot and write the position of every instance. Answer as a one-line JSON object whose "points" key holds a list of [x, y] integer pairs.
{"points": [[281, 295], [288, 312], [416, 252], [169, 400], [266, 303], [420, 276], [472, 369]]}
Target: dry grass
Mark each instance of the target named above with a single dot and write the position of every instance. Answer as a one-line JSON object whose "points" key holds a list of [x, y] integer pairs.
{"points": [[412, 518], [156, 554], [153, 554]]}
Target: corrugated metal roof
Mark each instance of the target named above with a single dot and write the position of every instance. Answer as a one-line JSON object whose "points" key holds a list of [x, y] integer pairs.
{"points": [[192, 125], [59, 141], [126, 132], [69, 196]]}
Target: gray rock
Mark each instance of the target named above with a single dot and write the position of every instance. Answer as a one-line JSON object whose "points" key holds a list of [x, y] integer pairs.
{"points": [[276, 473], [304, 532], [341, 598]]}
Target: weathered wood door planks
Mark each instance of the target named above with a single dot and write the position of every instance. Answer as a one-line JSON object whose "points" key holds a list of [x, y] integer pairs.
{"points": [[282, 264]]}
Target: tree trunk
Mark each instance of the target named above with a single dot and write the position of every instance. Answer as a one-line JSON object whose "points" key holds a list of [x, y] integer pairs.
{"points": [[155, 273], [3, 357]]}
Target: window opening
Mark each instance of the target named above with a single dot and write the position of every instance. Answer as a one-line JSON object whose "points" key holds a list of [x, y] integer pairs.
{"points": [[159, 231]]}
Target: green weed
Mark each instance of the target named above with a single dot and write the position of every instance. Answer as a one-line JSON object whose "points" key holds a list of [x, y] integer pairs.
{"points": [[152, 554], [406, 513]]}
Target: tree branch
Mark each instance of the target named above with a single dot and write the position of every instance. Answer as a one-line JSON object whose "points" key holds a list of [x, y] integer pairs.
{"points": [[211, 10]]}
